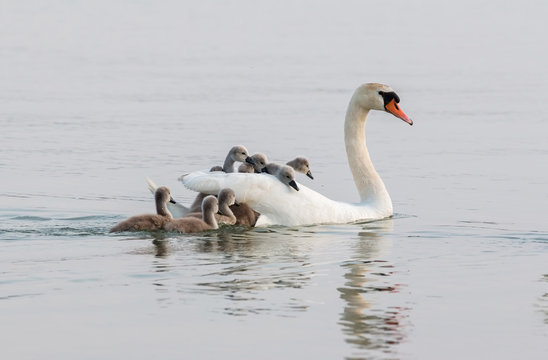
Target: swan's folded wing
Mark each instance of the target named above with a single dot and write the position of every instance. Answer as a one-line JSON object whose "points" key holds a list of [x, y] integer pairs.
{"points": [[203, 182], [257, 190]]}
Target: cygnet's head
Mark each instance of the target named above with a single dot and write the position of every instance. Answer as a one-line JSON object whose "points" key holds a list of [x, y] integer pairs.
{"points": [[227, 196], [210, 204], [287, 176], [380, 97], [271, 168], [216, 168], [163, 195], [239, 153], [301, 164], [260, 161]]}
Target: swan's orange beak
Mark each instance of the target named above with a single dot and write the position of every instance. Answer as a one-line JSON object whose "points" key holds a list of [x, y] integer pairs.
{"points": [[393, 108]]}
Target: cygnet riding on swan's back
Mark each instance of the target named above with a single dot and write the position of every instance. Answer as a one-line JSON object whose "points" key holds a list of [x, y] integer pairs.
{"points": [[284, 173], [193, 225], [279, 205], [301, 164], [260, 161], [149, 221], [237, 153]]}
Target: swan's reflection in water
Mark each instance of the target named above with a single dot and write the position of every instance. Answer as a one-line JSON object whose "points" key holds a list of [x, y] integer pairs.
{"points": [[543, 301], [366, 320], [268, 271]]}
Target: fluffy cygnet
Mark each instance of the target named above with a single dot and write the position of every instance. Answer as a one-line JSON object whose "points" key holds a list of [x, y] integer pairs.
{"points": [[301, 164], [237, 153], [226, 198], [284, 173], [245, 215], [149, 221], [210, 207], [260, 161]]}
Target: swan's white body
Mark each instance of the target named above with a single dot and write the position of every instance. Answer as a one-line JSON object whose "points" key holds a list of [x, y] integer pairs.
{"points": [[280, 205]]}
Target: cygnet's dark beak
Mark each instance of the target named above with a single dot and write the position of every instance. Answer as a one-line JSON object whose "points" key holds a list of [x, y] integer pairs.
{"points": [[249, 160], [309, 174], [293, 184], [263, 170], [172, 201]]}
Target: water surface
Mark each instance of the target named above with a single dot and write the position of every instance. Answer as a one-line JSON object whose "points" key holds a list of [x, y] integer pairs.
{"points": [[96, 97]]}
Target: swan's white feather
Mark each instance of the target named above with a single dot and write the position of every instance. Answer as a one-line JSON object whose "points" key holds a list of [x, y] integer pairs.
{"points": [[277, 203]]}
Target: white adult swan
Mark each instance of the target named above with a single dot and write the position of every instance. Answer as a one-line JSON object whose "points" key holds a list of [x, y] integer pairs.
{"points": [[279, 204]]}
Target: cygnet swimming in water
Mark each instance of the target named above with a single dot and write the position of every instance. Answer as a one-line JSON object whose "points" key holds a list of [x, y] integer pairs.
{"points": [[301, 164], [210, 207], [226, 199], [284, 173], [260, 161], [149, 221], [245, 215]]}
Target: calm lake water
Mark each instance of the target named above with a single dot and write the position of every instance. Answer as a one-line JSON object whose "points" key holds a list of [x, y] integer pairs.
{"points": [[96, 96]]}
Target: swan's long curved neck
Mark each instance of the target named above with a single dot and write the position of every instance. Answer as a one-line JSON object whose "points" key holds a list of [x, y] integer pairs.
{"points": [[368, 182]]}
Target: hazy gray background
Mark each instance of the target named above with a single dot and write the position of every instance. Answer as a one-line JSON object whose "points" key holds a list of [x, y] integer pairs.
{"points": [[95, 96]]}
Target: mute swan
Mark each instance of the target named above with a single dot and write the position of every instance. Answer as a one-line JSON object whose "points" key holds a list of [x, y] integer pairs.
{"points": [[260, 161], [278, 204], [149, 221], [301, 164], [226, 199], [210, 207]]}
